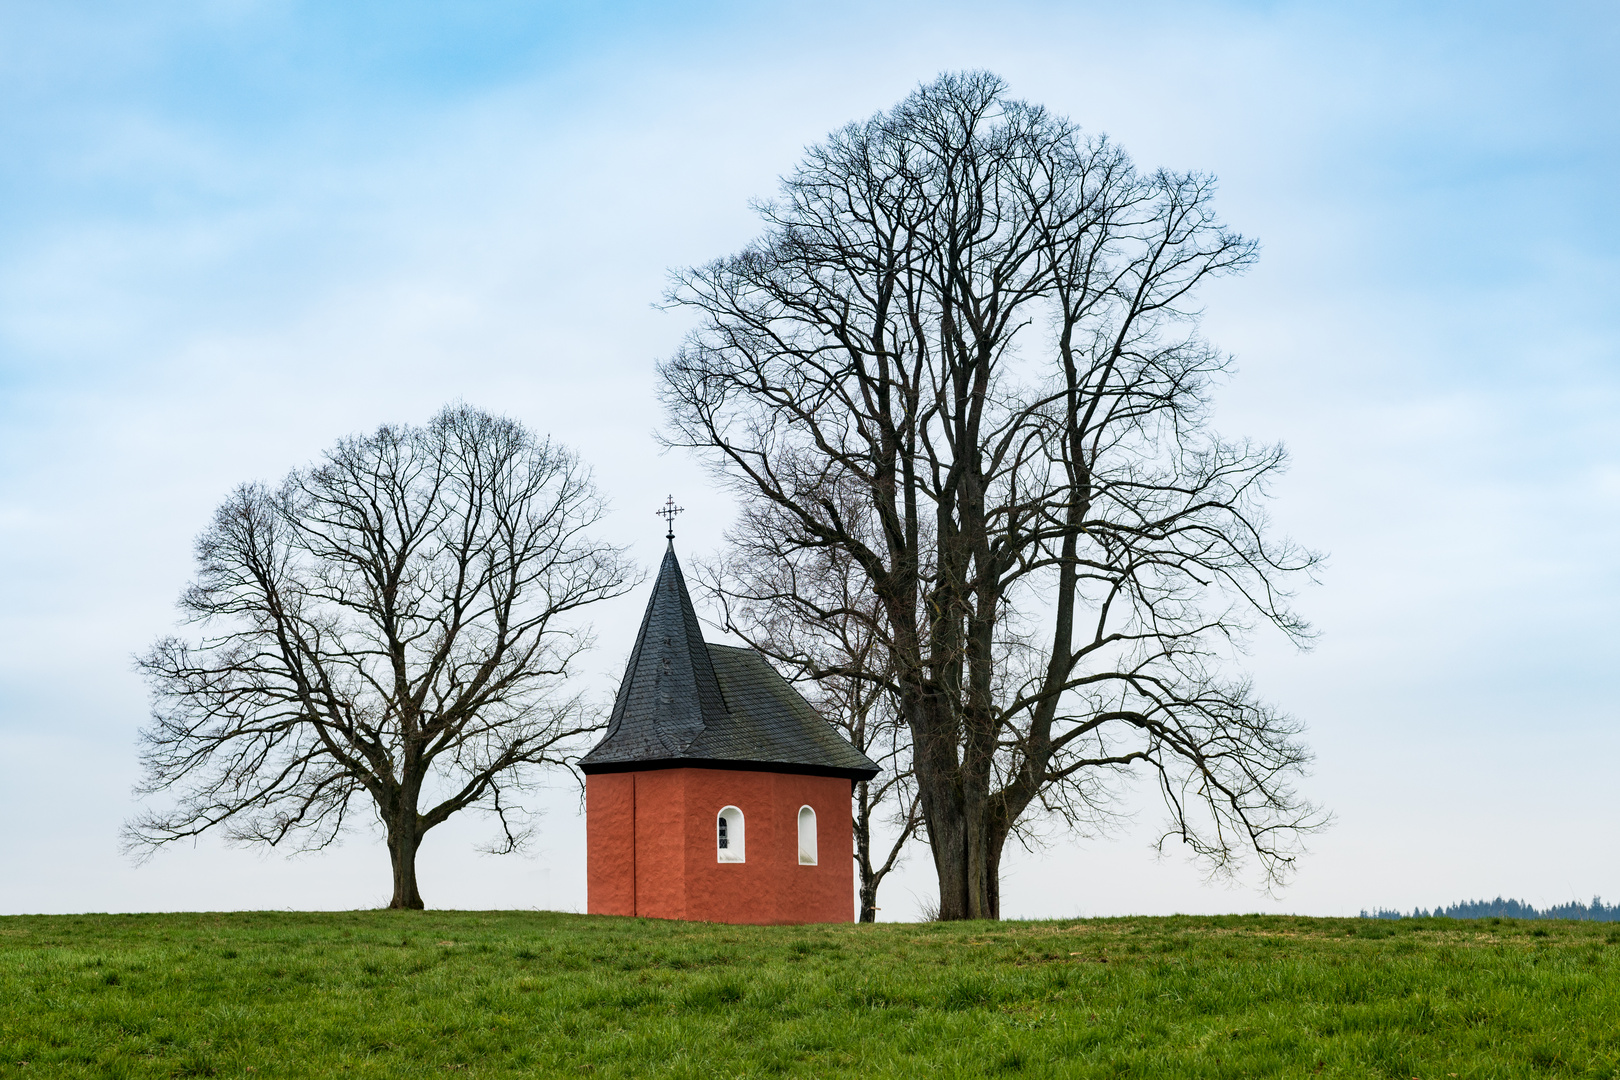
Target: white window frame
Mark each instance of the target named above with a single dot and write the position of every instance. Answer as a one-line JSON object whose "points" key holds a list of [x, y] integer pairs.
{"points": [[735, 850], [807, 852]]}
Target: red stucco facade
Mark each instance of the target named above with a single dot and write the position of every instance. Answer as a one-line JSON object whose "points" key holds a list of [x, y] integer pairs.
{"points": [[651, 847]]}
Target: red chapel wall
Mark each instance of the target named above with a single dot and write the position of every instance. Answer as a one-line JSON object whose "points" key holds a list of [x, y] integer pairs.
{"points": [[651, 847]]}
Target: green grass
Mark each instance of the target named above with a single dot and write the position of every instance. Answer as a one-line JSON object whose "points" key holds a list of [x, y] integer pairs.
{"points": [[386, 994]]}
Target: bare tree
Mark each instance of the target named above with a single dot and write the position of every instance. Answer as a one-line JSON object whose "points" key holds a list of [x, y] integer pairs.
{"points": [[871, 717], [398, 622], [964, 354], [814, 615]]}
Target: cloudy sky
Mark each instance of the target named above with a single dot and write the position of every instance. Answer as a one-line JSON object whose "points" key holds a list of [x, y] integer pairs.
{"points": [[233, 232]]}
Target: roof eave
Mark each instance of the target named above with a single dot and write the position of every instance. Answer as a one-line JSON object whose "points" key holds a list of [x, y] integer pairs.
{"points": [[788, 767]]}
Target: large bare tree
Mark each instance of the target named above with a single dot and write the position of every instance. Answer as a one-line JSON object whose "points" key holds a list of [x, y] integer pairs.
{"points": [[395, 624], [964, 352]]}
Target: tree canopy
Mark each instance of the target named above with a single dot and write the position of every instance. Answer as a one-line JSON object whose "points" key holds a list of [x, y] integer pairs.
{"points": [[394, 624], [964, 355]]}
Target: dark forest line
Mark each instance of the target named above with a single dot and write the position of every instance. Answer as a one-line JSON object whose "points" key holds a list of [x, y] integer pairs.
{"points": [[1596, 911]]}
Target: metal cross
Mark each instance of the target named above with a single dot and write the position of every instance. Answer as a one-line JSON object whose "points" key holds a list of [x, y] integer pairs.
{"points": [[668, 514]]}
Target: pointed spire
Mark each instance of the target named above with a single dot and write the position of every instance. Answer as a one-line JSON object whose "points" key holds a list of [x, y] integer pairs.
{"points": [[684, 702], [669, 693]]}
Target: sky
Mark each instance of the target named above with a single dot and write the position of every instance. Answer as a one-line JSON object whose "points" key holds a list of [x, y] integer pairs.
{"points": [[233, 232]]}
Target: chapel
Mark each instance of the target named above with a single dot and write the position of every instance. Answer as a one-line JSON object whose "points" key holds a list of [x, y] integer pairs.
{"points": [[718, 793]]}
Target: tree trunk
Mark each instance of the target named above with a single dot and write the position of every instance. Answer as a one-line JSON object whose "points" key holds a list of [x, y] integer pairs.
{"points": [[958, 829], [868, 898], [946, 836], [863, 854], [402, 845], [998, 841], [966, 867], [959, 867]]}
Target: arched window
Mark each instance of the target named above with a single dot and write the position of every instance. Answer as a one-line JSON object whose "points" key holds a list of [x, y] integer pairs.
{"points": [[728, 835], [807, 836]]}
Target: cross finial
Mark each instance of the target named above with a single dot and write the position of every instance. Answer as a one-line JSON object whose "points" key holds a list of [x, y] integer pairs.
{"points": [[668, 514]]}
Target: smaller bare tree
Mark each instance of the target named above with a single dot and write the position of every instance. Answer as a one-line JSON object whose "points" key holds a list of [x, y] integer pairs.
{"points": [[866, 711], [397, 621], [813, 615]]}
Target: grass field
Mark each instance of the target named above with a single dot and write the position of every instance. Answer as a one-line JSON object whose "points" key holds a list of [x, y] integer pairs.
{"points": [[495, 994]]}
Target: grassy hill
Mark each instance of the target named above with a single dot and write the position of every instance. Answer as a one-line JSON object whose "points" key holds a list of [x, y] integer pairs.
{"points": [[497, 994]]}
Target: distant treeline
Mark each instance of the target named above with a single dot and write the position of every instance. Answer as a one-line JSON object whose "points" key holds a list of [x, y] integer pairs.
{"points": [[1597, 911]]}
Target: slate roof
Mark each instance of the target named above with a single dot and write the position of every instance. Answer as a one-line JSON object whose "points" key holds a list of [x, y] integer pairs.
{"points": [[684, 702]]}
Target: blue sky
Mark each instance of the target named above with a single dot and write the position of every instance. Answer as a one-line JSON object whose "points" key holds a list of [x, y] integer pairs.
{"points": [[232, 232]]}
